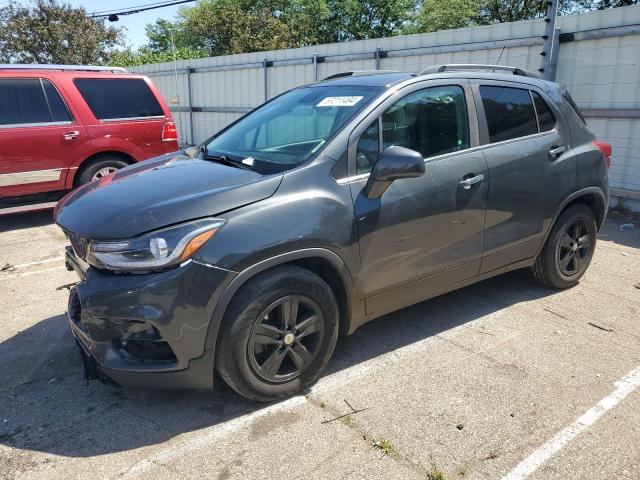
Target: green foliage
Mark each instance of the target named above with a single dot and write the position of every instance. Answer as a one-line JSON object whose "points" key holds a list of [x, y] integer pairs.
{"points": [[385, 445], [436, 15], [498, 11], [142, 56], [357, 19], [52, 32], [223, 27]]}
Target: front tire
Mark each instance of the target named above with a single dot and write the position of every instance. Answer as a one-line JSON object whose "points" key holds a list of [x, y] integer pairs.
{"points": [[278, 334], [568, 251]]}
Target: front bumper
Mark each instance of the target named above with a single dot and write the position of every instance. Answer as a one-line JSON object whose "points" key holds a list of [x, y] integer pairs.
{"points": [[146, 330]]}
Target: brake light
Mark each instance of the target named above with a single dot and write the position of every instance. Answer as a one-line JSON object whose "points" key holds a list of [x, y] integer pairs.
{"points": [[169, 132], [606, 150]]}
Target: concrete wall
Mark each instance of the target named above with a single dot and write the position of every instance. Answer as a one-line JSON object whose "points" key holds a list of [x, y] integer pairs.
{"points": [[598, 60]]}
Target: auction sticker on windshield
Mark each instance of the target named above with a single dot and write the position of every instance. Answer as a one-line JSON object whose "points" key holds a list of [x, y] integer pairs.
{"points": [[339, 101]]}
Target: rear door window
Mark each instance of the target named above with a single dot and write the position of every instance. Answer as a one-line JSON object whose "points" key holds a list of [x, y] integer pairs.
{"points": [[509, 112], [117, 98], [23, 101]]}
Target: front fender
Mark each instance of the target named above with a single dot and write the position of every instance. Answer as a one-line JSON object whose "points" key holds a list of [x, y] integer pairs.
{"points": [[354, 299]]}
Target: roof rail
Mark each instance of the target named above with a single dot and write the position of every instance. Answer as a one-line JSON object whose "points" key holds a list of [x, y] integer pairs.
{"points": [[46, 66], [357, 73], [472, 66]]}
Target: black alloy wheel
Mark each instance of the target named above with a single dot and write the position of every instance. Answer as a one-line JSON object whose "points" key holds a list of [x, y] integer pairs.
{"points": [[569, 248], [286, 338], [278, 333], [574, 248]]}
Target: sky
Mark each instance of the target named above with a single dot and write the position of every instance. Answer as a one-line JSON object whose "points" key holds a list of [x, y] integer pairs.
{"points": [[134, 23]]}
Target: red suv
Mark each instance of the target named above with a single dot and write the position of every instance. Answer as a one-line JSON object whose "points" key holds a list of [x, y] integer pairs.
{"points": [[62, 126]]}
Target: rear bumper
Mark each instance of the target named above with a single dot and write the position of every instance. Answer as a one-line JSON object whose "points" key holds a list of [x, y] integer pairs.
{"points": [[146, 330]]}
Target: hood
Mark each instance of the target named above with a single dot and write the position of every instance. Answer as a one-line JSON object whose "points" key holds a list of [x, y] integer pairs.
{"points": [[159, 192]]}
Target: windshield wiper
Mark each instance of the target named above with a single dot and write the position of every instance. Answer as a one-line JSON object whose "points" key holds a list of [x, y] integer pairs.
{"points": [[224, 160]]}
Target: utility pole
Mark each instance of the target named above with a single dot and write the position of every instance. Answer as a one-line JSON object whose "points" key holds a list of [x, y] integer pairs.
{"points": [[551, 45]]}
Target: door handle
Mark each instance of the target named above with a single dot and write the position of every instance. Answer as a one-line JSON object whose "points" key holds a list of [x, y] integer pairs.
{"points": [[556, 151], [469, 182], [72, 135]]}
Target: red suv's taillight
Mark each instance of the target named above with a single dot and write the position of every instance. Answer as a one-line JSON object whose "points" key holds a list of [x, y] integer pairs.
{"points": [[606, 150], [169, 132]]}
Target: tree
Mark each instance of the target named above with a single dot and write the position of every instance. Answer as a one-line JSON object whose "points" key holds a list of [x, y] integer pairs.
{"points": [[143, 56], [499, 11], [162, 33], [223, 27], [357, 19], [435, 15], [50, 32]]}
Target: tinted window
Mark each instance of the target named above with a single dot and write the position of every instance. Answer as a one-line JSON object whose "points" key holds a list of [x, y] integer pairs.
{"points": [[546, 120], [118, 98], [59, 111], [22, 101], [509, 112], [368, 149], [432, 121]]}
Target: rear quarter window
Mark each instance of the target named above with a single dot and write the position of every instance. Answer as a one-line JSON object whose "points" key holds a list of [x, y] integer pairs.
{"points": [[117, 98]]}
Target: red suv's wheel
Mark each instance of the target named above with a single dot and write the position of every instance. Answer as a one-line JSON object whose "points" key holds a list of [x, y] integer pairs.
{"points": [[98, 168]]}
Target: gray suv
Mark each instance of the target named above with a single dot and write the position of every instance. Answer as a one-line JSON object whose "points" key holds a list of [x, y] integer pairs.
{"points": [[326, 207]]}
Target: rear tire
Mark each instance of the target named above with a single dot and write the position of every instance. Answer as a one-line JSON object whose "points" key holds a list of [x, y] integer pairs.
{"points": [[99, 167], [567, 253], [278, 334]]}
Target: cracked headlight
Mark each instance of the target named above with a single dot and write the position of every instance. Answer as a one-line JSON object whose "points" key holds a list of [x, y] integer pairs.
{"points": [[155, 250]]}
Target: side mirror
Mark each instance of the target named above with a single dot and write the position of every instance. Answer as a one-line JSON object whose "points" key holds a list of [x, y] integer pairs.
{"points": [[394, 163]]}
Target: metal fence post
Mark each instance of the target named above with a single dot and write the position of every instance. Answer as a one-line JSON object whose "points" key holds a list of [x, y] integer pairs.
{"points": [[189, 72], [265, 64], [550, 43], [315, 67], [378, 57]]}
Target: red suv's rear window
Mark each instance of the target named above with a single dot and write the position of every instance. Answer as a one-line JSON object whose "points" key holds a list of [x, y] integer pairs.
{"points": [[111, 99]]}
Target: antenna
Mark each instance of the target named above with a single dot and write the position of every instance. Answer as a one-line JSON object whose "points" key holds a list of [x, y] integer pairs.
{"points": [[175, 72], [500, 56]]}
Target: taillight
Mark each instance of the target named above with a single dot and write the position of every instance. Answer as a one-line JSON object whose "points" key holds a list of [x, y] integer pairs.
{"points": [[606, 150], [169, 132]]}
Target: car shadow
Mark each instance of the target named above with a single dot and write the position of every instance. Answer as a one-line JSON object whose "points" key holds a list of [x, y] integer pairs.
{"points": [[46, 406], [26, 220]]}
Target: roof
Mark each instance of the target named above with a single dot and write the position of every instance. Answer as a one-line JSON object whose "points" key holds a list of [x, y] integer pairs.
{"points": [[371, 79], [47, 66], [383, 78]]}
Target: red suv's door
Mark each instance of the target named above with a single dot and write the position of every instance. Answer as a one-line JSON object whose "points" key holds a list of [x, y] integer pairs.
{"points": [[39, 137]]}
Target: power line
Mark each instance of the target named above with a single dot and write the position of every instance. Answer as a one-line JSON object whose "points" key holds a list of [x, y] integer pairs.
{"points": [[113, 17], [132, 7]]}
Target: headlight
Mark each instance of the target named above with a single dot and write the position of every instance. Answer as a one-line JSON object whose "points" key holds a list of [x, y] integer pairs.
{"points": [[154, 250]]}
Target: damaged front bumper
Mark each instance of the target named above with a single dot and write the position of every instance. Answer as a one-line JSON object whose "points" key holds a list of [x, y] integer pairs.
{"points": [[147, 330]]}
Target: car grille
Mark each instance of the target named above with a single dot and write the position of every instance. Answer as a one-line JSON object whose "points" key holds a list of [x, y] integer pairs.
{"points": [[79, 244]]}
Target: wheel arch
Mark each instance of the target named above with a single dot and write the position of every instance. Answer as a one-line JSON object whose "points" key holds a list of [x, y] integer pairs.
{"points": [[593, 197], [125, 157], [323, 262]]}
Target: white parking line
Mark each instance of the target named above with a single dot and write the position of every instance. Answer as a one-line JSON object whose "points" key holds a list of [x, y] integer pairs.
{"points": [[40, 262], [11, 276], [624, 387]]}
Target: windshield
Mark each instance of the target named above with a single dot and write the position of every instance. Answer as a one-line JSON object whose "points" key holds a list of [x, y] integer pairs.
{"points": [[289, 130]]}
